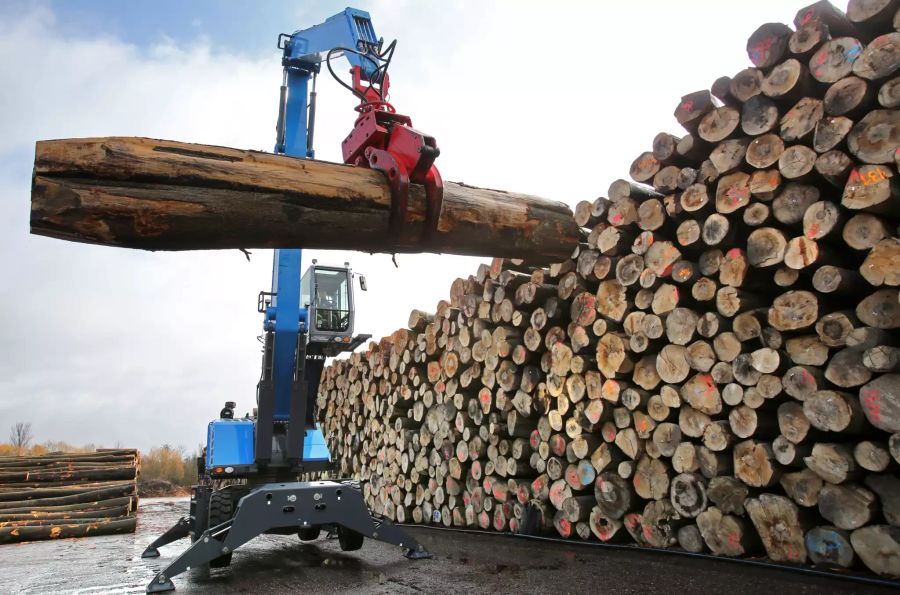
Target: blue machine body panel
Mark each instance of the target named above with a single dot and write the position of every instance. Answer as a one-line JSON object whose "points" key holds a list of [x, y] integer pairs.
{"points": [[229, 442], [314, 447], [286, 311]]}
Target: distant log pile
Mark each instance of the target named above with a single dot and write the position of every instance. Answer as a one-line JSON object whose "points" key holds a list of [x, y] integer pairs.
{"points": [[61, 495], [716, 367]]}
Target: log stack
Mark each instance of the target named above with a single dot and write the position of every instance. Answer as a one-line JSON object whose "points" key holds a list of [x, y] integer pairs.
{"points": [[60, 495], [716, 367]]}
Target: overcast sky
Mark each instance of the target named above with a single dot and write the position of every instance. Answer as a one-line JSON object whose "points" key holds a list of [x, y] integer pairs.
{"points": [[106, 345]]}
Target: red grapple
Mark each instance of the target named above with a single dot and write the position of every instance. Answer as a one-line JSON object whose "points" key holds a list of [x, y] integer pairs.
{"points": [[384, 140]]}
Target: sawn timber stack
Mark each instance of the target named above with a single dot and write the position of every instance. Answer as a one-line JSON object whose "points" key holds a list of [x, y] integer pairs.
{"points": [[165, 195], [715, 368]]}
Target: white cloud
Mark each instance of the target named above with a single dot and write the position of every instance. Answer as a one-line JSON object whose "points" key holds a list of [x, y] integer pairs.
{"points": [[110, 345]]}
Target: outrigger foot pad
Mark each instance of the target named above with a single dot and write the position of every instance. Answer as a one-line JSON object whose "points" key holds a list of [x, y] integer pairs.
{"points": [[418, 554], [180, 530], [160, 585]]}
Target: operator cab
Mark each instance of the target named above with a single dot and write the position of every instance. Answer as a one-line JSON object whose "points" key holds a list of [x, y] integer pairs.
{"points": [[326, 293]]}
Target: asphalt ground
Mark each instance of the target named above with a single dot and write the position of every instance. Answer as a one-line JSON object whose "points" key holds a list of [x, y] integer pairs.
{"points": [[462, 563]]}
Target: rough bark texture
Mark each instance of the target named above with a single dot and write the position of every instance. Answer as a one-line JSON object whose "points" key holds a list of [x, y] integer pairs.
{"points": [[67, 495], [165, 195]]}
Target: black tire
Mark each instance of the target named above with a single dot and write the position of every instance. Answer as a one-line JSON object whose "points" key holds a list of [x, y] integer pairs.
{"points": [[349, 539], [309, 533], [221, 509]]}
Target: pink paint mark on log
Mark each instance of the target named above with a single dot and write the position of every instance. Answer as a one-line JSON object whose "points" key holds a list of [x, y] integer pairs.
{"points": [[807, 378]]}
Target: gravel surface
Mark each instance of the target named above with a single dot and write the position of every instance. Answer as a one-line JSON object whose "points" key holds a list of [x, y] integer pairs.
{"points": [[462, 564]]}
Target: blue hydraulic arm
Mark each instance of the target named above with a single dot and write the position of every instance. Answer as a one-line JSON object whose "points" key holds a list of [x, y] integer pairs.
{"points": [[304, 52], [285, 316]]}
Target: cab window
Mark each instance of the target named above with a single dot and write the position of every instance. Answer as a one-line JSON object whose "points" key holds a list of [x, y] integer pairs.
{"points": [[332, 300]]}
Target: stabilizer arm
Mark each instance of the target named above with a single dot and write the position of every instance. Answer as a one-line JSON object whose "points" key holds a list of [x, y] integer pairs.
{"points": [[290, 505]]}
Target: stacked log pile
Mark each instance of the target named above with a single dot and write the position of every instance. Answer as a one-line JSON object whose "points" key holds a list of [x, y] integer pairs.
{"points": [[716, 367], [61, 495]]}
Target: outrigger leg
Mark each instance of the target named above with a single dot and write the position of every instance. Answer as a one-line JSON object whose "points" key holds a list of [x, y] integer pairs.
{"points": [[296, 505]]}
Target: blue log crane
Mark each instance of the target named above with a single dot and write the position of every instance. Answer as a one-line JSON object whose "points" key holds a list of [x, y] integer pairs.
{"points": [[305, 319]]}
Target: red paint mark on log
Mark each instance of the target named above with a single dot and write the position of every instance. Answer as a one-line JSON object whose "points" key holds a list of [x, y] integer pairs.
{"points": [[872, 402]]}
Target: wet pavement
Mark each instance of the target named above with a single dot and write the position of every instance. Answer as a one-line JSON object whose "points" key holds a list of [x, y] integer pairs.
{"points": [[462, 564]]}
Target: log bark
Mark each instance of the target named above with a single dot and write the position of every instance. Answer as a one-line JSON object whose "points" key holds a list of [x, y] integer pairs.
{"points": [[164, 195], [67, 529]]}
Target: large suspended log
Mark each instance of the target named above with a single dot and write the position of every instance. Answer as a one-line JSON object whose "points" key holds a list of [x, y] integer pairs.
{"points": [[165, 195]]}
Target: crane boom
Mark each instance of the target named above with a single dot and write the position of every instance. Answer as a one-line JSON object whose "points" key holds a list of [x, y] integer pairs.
{"points": [[306, 318]]}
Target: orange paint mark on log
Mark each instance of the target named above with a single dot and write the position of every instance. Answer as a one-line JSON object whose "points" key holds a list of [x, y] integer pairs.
{"points": [[708, 383]]}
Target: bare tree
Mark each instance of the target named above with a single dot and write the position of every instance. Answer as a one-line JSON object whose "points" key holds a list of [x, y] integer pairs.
{"points": [[20, 435]]}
